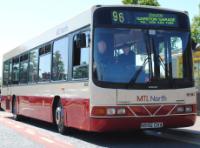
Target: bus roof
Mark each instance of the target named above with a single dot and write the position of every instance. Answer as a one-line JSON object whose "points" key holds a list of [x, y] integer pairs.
{"points": [[64, 28]]}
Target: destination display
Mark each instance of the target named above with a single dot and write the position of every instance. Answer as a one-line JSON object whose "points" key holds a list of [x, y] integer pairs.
{"points": [[144, 18]]}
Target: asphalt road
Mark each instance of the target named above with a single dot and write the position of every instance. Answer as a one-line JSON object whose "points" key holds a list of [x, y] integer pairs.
{"points": [[32, 133]]}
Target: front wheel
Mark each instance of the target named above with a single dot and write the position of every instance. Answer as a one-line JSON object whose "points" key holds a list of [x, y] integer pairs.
{"points": [[59, 118]]}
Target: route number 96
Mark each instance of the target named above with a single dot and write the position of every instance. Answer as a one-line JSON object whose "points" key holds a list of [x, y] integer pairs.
{"points": [[118, 17]]}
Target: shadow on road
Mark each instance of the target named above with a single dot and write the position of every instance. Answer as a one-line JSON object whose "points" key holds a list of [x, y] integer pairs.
{"points": [[131, 139]]}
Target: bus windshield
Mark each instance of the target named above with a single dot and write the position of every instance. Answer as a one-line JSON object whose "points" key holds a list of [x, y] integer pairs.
{"points": [[129, 57]]}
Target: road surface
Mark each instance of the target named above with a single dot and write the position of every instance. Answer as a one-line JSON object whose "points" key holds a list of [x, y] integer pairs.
{"points": [[36, 134]]}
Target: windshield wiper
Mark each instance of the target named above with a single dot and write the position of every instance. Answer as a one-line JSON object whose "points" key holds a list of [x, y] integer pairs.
{"points": [[135, 76], [162, 62], [148, 58]]}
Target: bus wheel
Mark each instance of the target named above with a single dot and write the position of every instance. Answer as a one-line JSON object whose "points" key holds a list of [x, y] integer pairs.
{"points": [[59, 115], [14, 110]]}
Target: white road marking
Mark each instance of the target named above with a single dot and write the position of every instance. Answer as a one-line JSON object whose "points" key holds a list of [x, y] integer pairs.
{"points": [[10, 122], [30, 131], [65, 142], [17, 126], [47, 140]]}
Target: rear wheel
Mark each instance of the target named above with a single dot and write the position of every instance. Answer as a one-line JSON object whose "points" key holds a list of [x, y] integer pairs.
{"points": [[14, 110], [59, 118]]}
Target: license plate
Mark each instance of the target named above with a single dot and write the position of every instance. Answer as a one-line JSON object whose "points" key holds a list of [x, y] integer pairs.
{"points": [[151, 125]]}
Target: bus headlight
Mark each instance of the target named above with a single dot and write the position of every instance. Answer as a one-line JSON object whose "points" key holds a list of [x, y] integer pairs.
{"points": [[121, 111], [188, 109], [111, 111], [180, 109]]}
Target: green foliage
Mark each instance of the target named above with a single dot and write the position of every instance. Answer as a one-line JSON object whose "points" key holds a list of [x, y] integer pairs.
{"points": [[142, 2], [58, 67], [175, 43], [130, 1], [149, 2], [80, 71], [196, 28]]}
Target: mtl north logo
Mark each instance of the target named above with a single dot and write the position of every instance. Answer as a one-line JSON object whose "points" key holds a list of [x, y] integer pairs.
{"points": [[145, 98]]}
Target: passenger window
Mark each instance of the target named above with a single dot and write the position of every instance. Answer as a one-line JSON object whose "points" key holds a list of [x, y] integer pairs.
{"points": [[24, 68], [33, 66], [45, 63], [6, 72], [10, 72], [81, 59], [15, 71], [60, 59]]}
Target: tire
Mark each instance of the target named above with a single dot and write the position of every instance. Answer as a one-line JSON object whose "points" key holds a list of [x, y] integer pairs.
{"points": [[14, 110], [59, 118]]}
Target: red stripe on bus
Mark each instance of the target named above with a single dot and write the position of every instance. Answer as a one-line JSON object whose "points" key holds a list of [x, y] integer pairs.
{"points": [[77, 114]]}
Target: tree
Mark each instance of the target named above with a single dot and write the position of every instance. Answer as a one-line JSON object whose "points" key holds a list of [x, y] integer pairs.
{"points": [[130, 1], [196, 28], [33, 66], [142, 2], [58, 67]]}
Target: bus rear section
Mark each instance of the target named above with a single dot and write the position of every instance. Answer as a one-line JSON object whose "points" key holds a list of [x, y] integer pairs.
{"points": [[141, 69]]}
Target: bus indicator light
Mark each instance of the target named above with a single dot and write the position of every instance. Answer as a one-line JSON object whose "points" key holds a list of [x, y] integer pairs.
{"points": [[99, 111]]}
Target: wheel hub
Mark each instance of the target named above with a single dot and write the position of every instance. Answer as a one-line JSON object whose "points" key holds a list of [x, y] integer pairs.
{"points": [[59, 114]]}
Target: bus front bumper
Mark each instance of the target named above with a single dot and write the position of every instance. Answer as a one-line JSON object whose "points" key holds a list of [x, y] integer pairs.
{"points": [[125, 124]]}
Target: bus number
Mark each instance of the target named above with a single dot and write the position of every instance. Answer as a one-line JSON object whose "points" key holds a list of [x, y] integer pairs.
{"points": [[118, 17]]}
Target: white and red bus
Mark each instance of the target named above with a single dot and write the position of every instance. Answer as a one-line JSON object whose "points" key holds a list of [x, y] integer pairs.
{"points": [[110, 68]]}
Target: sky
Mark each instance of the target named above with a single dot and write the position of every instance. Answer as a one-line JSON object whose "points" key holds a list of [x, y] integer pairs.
{"points": [[21, 20]]}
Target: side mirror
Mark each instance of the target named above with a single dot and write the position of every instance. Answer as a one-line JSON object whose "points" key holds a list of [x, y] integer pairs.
{"points": [[81, 40], [194, 45]]}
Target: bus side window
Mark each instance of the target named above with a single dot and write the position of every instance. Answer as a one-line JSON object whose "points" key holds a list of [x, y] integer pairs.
{"points": [[10, 73], [5, 73], [81, 59], [15, 71], [60, 60], [33, 66], [45, 63], [24, 68]]}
